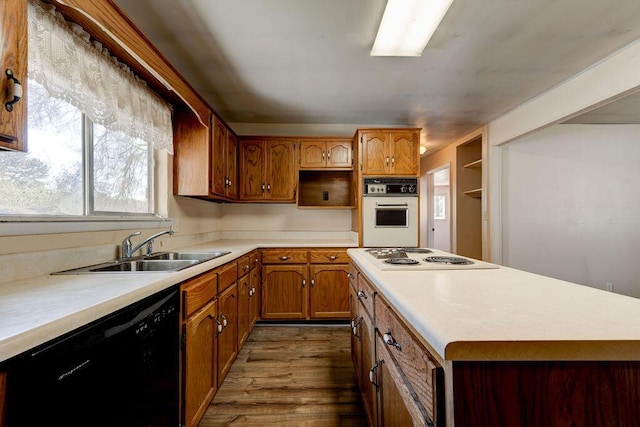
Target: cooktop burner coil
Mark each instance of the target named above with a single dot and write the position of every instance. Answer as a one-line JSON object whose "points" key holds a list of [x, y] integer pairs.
{"points": [[448, 260], [416, 250], [401, 261]]}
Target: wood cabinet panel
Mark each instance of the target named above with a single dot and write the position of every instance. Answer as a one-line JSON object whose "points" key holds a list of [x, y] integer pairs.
{"points": [[393, 397], [312, 154], [404, 152], [366, 294], [284, 292], [218, 157], [325, 153], [389, 151], [255, 283], [546, 393], [244, 322], [252, 169], [285, 256], [227, 275], [329, 293], [329, 256], [281, 183], [339, 154], [228, 336], [192, 151], [424, 376], [231, 190], [369, 372], [375, 159], [13, 56], [197, 292], [199, 363]]}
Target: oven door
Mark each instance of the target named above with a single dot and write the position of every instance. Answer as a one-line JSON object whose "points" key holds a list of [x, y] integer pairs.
{"points": [[389, 221]]}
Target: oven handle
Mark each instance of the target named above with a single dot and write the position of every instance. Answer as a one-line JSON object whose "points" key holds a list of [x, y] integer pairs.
{"points": [[392, 205]]}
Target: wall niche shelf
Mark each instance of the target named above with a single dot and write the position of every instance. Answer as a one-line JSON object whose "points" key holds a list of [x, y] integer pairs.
{"points": [[475, 193], [326, 189], [474, 164]]}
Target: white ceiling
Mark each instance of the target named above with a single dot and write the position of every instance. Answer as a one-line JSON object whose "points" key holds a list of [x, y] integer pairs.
{"points": [[307, 61]]}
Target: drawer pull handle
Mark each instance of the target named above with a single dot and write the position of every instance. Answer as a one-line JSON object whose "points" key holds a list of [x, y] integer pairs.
{"points": [[224, 321], [350, 276], [15, 91], [220, 327], [372, 375], [361, 295], [388, 338], [253, 290], [284, 258], [304, 282], [332, 257]]}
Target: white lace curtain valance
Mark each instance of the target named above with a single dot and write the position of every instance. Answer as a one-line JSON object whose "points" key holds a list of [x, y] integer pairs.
{"points": [[72, 67]]}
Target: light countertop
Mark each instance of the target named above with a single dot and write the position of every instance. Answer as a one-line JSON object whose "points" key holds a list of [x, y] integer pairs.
{"points": [[508, 314], [34, 311]]}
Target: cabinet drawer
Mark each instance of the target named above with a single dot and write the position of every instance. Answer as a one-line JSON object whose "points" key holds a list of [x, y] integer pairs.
{"points": [[227, 275], [244, 265], [365, 294], [335, 256], [255, 258], [353, 277], [423, 373], [285, 256], [197, 292]]}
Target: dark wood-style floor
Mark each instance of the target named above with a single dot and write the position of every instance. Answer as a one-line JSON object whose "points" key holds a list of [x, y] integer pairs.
{"points": [[290, 376]]}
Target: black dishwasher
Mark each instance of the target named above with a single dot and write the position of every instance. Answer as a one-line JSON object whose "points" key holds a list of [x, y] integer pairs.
{"points": [[121, 370]]}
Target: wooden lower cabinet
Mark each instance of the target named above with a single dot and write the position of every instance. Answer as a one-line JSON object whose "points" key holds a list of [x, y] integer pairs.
{"points": [[284, 292], [393, 409], [244, 301], [368, 367], [199, 370], [329, 293], [255, 284], [228, 330]]}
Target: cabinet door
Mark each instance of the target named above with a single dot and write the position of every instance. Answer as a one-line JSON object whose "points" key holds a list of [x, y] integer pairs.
{"points": [[232, 166], [329, 293], [313, 154], [255, 279], [218, 157], [199, 370], [375, 155], [243, 309], [404, 153], [252, 170], [13, 56], [339, 154], [370, 372], [281, 181], [192, 154], [228, 337], [393, 411], [284, 292], [356, 334]]}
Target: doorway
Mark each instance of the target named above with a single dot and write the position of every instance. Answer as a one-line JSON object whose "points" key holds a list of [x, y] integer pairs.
{"points": [[439, 208]]}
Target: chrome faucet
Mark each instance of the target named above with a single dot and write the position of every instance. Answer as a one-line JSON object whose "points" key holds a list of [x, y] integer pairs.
{"points": [[127, 249]]}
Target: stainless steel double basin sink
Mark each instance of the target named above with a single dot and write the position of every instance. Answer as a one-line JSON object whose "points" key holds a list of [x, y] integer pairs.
{"points": [[158, 262]]}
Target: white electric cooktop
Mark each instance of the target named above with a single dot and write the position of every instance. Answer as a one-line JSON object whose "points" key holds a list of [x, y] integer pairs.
{"points": [[412, 259]]}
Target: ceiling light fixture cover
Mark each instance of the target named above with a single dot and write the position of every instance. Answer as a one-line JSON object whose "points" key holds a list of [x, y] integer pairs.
{"points": [[407, 26]]}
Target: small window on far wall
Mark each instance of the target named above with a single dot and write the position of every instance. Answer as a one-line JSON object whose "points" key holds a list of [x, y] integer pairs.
{"points": [[439, 207]]}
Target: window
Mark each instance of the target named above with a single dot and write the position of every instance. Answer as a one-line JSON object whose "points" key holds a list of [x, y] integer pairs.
{"points": [[439, 207], [92, 129], [74, 167]]}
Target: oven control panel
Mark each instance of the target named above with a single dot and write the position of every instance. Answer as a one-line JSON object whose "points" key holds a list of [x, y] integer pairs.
{"points": [[388, 186]]}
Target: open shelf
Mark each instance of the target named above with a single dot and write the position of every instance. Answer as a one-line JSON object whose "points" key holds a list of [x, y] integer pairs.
{"points": [[476, 193], [326, 189], [475, 164]]}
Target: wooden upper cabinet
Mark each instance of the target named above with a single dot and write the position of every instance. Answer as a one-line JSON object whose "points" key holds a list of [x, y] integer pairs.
{"points": [[390, 152], [267, 170], [404, 150], [219, 158], [252, 169], [13, 57], [204, 162], [192, 151], [321, 153], [375, 153]]}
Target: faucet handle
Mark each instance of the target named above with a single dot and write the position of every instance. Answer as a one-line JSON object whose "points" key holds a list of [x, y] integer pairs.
{"points": [[125, 250]]}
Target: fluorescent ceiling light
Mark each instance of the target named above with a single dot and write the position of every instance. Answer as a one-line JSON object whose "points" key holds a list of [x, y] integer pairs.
{"points": [[407, 26]]}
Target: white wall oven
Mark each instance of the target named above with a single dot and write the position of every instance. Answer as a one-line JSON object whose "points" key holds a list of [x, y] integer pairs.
{"points": [[390, 212]]}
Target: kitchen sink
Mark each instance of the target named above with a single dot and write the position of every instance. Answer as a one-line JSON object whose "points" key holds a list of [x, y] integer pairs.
{"points": [[196, 256], [158, 262]]}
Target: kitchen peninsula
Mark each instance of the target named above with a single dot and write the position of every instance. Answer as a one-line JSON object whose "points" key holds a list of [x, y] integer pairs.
{"points": [[495, 347]]}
